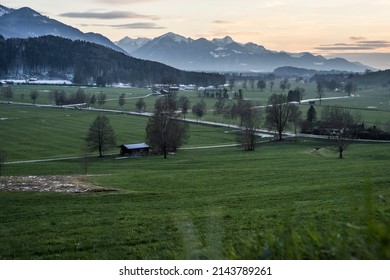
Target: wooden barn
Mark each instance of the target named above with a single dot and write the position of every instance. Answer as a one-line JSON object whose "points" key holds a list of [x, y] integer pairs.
{"points": [[134, 150]]}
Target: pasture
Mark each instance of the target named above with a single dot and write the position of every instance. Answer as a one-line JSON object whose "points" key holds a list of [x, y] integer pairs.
{"points": [[281, 201], [290, 200], [370, 105]]}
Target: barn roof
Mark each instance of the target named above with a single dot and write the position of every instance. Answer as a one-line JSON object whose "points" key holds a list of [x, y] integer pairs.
{"points": [[135, 146]]}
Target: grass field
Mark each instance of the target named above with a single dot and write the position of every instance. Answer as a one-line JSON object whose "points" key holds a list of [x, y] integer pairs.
{"points": [[30, 133], [210, 204], [290, 200], [372, 103]]}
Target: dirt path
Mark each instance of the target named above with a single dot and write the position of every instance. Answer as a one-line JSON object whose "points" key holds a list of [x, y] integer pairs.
{"points": [[68, 184]]}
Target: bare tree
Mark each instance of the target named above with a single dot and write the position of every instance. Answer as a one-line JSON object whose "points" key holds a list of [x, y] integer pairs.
{"points": [[284, 84], [231, 83], [92, 100], [350, 88], [100, 135], [101, 99], [184, 104], [295, 116], [7, 93], [122, 101], [277, 113], [271, 85], [199, 109], [311, 116], [59, 97], [320, 90], [250, 123], [337, 121], [261, 85], [218, 106], [164, 132], [252, 83], [34, 95], [140, 105]]}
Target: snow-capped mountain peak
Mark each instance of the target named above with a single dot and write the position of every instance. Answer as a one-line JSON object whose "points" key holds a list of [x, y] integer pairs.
{"points": [[130, 45], [224, 54], [25, 23], [223, 42], [175, 37], [4, 10]]}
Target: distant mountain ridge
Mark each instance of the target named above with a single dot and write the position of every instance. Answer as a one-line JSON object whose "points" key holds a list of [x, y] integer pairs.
{"points": [[226, 55], [25, 23], [53, 57], [4, 10], [216, 55]]}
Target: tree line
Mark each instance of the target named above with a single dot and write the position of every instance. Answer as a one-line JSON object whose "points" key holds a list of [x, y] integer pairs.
{"points": [[166, 131]]}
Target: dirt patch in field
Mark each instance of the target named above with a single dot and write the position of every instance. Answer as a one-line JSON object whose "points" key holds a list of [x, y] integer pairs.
{"points": [[69, 184]]}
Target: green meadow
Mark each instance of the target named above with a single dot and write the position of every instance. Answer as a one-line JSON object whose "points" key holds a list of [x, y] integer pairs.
{"points": [[289, 200]]}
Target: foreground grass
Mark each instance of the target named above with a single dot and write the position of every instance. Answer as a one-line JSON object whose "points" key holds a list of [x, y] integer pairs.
{"points": [[281, 201]]}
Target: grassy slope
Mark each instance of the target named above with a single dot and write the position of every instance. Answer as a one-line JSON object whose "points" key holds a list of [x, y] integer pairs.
{"points": [[200, 204], [197, 204], [38, 133]]}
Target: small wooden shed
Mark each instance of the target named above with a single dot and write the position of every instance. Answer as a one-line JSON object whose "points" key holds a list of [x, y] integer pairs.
{"points": [[134, 150]]}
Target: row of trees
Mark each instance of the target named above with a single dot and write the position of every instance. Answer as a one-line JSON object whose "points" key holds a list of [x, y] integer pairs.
{"points": [[165, 130], [60, 98], [7, 93]]}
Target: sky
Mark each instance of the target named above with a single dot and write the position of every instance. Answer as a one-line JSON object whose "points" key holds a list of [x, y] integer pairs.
{"points": [[354, 29]]}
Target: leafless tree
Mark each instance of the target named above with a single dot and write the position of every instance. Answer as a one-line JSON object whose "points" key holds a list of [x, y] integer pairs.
{"points": [[140, 105], [184, 104], [337, 121], [122, 101], [277, 113], [34, 95], [320, 90], [100, 135], [164, 132], [250, 123]]}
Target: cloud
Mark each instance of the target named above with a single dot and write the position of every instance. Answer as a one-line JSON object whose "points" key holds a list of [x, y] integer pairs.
{"points": [[124, 1], [108, 15], [136, 25], [358, 38], [221, 22], [359, 44]]}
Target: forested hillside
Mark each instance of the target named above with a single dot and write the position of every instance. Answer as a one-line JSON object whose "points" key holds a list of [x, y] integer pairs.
{"points": [[83, 62]]}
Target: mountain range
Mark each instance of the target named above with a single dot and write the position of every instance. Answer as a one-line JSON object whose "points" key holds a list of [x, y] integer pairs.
{"points": [[52, 57], [226, 55], [216, 55]]}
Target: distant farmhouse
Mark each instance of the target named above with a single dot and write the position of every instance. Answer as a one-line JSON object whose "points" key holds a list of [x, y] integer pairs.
{"points": [[166, 89], [134, 150]]}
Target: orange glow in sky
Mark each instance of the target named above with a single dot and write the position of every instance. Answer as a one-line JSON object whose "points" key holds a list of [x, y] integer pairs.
{"points": [[355, 29]]}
